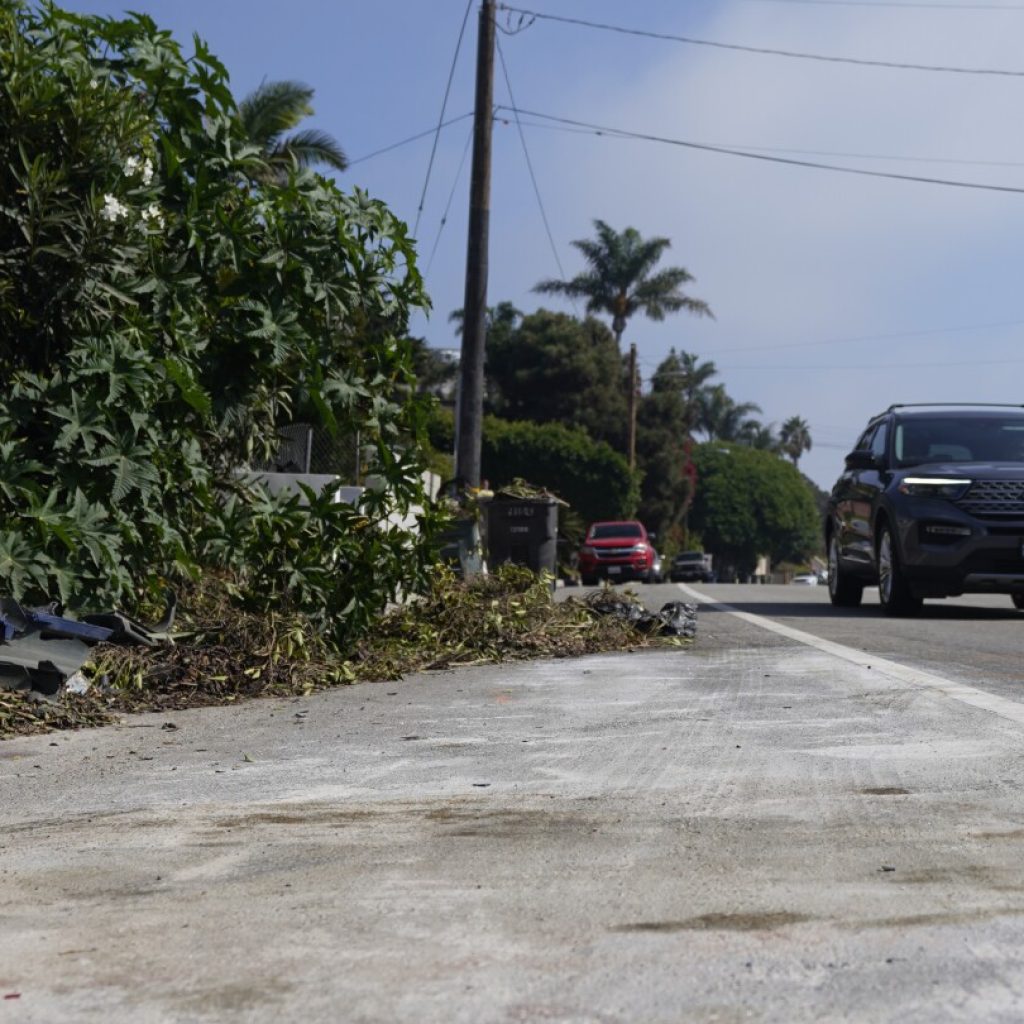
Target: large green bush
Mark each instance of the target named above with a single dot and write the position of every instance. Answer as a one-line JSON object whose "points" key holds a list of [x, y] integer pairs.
{"points": [[163, 309], [749, 503]]}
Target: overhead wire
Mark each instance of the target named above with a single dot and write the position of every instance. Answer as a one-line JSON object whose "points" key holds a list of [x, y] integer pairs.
{"points": [[809, 152], [411, 138], [751, 155], [448, 205], [529, 164], [440, 119], [761, 50]]}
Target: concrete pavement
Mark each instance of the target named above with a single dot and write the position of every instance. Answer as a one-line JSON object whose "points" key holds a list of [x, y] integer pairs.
{"points": [[750, 830]]}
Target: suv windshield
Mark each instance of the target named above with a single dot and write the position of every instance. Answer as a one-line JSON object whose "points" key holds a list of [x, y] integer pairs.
{"points": [[605, 530], [959, 439]]}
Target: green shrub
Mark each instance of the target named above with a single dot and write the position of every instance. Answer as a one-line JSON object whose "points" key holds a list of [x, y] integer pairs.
{"points": [[163, 309]]}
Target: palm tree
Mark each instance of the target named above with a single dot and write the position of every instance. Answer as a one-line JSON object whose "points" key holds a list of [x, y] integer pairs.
{"points": [[620, 280], [721, 418], [795, 438], [275, 108], [759, 435]]}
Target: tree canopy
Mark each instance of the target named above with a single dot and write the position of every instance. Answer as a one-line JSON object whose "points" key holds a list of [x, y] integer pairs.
{"points": [[551, 367], [620, 279], [751, 503], [273, 109]]}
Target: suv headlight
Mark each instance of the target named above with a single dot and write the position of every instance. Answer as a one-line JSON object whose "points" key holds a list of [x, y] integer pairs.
{"points": [[640, 547], [588, 551], [935, 486]]}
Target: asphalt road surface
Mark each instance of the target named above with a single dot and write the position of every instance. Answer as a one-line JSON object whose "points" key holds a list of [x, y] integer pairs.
{"points": [[810, 815]]}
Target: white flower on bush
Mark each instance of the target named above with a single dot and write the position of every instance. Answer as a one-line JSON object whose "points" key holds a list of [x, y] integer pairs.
{"points": [[139, 165], [154, 215], [113, 209]]}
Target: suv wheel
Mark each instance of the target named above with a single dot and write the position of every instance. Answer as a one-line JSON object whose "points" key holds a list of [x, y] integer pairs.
{"points": [[844, 590], [893, 591]]}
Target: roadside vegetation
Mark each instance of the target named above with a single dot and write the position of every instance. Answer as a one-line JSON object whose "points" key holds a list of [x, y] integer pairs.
{"points": [[223, 654], [178, 285]]}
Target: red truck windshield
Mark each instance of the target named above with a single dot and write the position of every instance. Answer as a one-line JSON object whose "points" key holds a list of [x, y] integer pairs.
{"points": [[602, 531]]}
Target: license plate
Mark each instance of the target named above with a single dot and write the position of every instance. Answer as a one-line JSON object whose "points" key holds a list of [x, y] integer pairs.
{"points": [[614, 570]]}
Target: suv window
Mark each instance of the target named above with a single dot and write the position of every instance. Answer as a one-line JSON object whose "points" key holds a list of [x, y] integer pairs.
{"points": [[864, 441], [959, 439], [878, 442]]}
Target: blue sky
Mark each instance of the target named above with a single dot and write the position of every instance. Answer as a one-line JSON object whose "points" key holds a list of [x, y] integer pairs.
{"points": [[834, 295]]}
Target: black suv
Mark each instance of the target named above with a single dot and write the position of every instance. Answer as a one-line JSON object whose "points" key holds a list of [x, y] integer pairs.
{"points": [[931, 504]]}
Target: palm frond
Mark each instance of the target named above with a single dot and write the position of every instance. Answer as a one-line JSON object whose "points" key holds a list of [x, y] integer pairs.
{"points": [[274, 108], [310, 147]]}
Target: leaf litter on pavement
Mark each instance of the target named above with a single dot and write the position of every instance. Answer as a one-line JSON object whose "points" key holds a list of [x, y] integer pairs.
{"points": [[222, 654]]}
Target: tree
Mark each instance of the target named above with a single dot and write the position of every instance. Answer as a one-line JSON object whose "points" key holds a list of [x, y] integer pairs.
{"points": [[435, 369], [795, 438], [665, 420], [752, 503], [621, 281], [693, 377], [758, 435], [551, 367], [720, 418], [274, 108], [593, 478], [163, 308]]}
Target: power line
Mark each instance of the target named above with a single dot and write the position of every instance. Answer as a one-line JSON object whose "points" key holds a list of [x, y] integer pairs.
{"points": [[440, 119], [750, 155], [529, 164], [763, 50], [448, 205], [810, 152], [412, 138]]}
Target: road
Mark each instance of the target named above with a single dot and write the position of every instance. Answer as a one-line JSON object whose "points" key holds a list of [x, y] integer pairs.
{"points": [[809, 816]]}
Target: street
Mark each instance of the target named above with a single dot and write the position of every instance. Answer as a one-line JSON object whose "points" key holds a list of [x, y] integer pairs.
{"points": [[810, 815]]}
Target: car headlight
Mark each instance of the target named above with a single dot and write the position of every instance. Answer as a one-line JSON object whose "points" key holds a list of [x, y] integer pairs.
{"points": [[935, 486], [639, 548]]}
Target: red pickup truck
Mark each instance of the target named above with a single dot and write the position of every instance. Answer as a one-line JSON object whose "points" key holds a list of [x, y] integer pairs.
{"points": [[616, 551]]}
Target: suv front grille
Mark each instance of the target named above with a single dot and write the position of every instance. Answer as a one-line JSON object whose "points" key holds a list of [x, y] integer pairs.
{"points": [[994, 499]]}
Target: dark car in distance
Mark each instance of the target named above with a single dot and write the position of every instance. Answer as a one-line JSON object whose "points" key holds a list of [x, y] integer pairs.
{"points": [[930, 504], [691, 567]]}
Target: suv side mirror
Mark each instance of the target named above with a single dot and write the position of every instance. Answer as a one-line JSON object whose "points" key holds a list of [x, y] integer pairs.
{"points": [[863, 458]]}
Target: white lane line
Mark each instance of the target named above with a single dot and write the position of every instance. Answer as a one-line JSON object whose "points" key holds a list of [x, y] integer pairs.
{"points": [[915, 677]]}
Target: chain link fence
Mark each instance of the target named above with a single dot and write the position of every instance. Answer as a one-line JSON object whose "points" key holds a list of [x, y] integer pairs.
{"points": [[305, 448]]}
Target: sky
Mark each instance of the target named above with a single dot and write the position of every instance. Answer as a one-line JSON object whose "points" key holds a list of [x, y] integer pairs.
{"points": [[834, 294]]}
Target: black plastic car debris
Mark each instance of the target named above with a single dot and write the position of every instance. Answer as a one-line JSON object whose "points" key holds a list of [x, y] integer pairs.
{"points": [[40, 649], [674, 619]]}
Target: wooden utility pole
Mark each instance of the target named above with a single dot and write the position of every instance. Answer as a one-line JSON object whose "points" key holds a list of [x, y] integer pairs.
{"points": [[631, 440], [474, 325]]}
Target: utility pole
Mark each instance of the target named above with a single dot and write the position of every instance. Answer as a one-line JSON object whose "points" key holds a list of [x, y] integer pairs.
{"points": [[631, 440], [469, 424]]}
